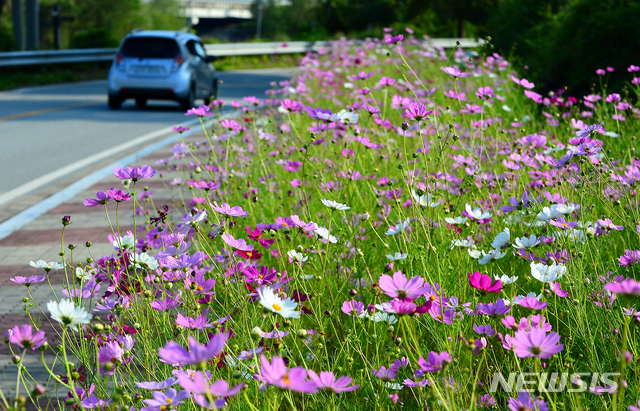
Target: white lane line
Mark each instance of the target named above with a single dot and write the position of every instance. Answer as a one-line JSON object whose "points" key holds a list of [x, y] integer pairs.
{"points": [[25, 217], [47, 178]]}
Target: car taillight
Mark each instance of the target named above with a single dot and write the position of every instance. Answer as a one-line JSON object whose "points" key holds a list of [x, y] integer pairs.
{"points": [[120, 61], [177, 62]]}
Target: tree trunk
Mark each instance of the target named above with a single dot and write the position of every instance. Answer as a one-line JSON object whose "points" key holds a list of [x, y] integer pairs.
{"points": [[461, 27]]}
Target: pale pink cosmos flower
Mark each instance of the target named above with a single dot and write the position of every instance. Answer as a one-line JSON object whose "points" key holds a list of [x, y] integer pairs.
{"points": [[400, 287], [454, 71]]}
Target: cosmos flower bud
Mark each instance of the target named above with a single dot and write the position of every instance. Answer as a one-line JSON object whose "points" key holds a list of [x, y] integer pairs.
{"points": [[302, 333], [38, 390], [66, 220], [405, 125], [256, 331], [15, 359]]}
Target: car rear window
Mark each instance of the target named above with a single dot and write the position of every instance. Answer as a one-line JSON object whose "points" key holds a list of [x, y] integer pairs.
{"points": [[150, 47]]}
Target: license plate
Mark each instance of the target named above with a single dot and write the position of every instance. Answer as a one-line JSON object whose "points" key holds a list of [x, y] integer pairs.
{"points": [[148, 70]]}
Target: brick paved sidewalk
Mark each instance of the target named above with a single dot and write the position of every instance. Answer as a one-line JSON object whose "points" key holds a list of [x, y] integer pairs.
{"points": [[41, 240]]}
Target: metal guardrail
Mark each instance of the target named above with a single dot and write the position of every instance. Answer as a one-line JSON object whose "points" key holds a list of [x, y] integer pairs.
{"points": [[26, 58]]}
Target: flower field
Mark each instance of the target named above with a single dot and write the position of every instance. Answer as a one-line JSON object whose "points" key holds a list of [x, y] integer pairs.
{"points": [[399, 226]]}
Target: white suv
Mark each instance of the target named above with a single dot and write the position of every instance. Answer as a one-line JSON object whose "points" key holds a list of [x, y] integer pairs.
{"points": [[163, 65]]}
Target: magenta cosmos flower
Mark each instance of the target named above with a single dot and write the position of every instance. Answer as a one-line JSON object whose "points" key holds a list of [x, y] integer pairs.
{"points": [[24, 337], [181, 129], [454, 71], [235, 211], [628, 287], [327, 380], [197, 323], [434, 362], [134, 174], [526, 401], [399, 287], [484, 283], [630, 257], [394, 39], [201, 111], [294, 379], [28, 281], [417, 112], [536, 343], [102, 198], [173, 353]]}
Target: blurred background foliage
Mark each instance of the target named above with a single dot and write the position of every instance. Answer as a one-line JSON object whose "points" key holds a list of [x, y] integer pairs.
{"points": [[555, 43]]}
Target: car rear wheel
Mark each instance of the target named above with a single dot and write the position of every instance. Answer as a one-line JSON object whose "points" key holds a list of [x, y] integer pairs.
{"points": [[188, 102], [141, 102], [115, 103]]}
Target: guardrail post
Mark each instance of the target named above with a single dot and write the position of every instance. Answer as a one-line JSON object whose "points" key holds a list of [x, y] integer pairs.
{"points": [[32, 12], [16, 7]]}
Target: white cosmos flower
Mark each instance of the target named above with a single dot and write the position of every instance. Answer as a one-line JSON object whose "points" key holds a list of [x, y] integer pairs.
{"points": [[348, 117], [47, 266], [297, 256], [424, 200], [348, 85], [577, 236], [526, 242], [127, 242], [506, 280], [397, 256], [67, 313], [501, 239], [566, 208], [474, 253], [462, 243], [335, 205], [477, 213], [549, 213], [323, 232], [490, 256], [82, 275], [547, 273], [272, 302], [144, 260], [381, 316], [398, 228], [456, 221]]}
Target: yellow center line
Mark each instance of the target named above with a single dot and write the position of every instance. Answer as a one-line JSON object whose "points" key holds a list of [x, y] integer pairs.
{"points": [[49, 110]]}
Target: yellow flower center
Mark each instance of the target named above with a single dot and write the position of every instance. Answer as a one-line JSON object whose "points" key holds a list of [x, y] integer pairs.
{"points": [[286, 380], [168, 400], [276, 307]]}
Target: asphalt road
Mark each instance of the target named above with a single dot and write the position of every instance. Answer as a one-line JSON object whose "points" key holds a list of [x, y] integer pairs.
{"points": [[43, 129]]}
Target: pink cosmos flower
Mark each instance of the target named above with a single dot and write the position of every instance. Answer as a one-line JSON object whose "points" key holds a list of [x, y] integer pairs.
{"points": [[533, 96], [173, 353], [24, 337], [434, 362], [601, 72], [294, 379], [198, 323], [291, 106], [28, 281], [613, 98], [557, 289], [454, 71], [393, 39], [355, 308], [134, 174], [484, 283], [160, 399], [417, 112], [627, 287], [180, 129], [230, 125], [235, 211], [199, 383], [399, 287], [238, 244], [536, 343], [112, 352], [607, 223], [630, 257], [526, 401], [102, 198], [531, 302], [327, 380], [201, 111], [485, 93]]}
